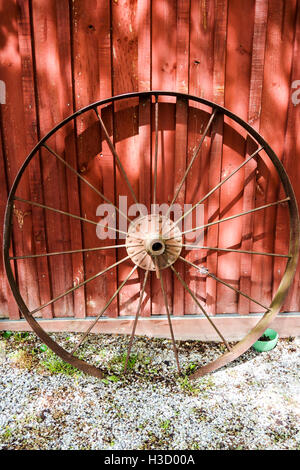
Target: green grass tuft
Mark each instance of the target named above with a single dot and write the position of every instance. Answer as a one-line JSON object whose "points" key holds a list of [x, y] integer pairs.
{"points": [[55, 365]]}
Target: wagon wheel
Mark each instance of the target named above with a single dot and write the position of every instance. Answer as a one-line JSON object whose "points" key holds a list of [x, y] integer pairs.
{"points": [[155, 243]]}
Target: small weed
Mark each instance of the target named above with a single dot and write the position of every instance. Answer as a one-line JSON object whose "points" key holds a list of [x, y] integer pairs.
{"points": [[187, 386], [55, 365], [131, 360], [7, 334], [110, 378], [165, 425], [20, 336], [113, 378], [120, 360], [144, 424], [195, 446], [7, 434]]}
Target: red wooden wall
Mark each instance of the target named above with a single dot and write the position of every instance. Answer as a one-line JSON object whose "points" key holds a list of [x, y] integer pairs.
{"points": [[58, 56]]}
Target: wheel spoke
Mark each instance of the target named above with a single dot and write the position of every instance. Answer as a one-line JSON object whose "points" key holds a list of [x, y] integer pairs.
{"points": [[80, 284], [219, 185], [234, 216], [136, 320], [54, 253], [200, 306], [104, 309], [169, 320], [196, 153], [155, 154], [116, 156], [85, 180], [235, 251], [43, 206], [205, 272]]}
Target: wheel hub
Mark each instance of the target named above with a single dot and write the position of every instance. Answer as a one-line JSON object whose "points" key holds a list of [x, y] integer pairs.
{"points": [[153, 239]]}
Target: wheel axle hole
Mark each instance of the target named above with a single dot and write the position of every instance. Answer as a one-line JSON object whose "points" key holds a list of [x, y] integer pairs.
{"points": [[157, 246]]}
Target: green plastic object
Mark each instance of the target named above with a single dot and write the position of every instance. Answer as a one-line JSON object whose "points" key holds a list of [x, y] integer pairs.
{"points": [[262, 346]]}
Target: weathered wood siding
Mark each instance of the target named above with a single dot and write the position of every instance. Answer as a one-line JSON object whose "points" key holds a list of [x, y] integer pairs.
{"points": [[58, 56]]}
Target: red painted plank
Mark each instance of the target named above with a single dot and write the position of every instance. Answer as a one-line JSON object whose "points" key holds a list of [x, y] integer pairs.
{"points": [[200, 84], [164, 78], [34, 170], [165, 188], [51, 33], [143, 27], [125, 79], [53, 71], [291, 162], [238, 63], [164, 46], [180, 158], [274, 102], [14, 152], [185, 328], [214, 175], [107, 162], [92, 81], [8, 306], [79, 307], [255, 94], [282, 238], [108, 189], [181, 131]]}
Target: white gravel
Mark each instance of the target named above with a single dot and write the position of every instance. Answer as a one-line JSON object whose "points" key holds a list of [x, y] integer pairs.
{"points": [[253, 403]]}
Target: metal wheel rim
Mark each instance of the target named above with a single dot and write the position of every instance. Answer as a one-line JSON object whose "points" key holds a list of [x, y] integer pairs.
{"points": [[278, 298]]}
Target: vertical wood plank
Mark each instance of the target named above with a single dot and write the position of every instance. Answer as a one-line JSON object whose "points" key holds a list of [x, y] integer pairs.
{"points": [[14, 152], [143, 27], [32, 137], [91, 38], [255, 94], [125, 79], [291, 162], [200, 84], [181, 130], [274, 103], [164, 78], [53, 69], [164, 45], [8, 306], [238, 62], [220, 38]]}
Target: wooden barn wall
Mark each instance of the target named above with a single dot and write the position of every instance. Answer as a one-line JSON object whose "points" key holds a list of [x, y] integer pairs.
{"points": [[58, 56]]}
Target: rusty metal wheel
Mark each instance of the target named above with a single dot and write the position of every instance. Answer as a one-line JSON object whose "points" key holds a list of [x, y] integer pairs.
{"points": [[156, 242]]}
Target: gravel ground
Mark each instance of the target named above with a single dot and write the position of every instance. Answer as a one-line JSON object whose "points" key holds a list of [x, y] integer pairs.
{"points": [[253, 403]]}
